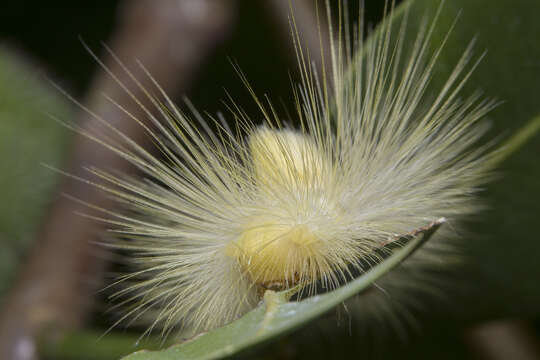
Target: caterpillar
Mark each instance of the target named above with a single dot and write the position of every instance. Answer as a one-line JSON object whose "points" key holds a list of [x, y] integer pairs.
{"points": [[220, 216]]}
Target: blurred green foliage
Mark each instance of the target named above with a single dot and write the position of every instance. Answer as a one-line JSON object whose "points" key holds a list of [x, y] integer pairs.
{"points": [[28, 138], [501, 242]]}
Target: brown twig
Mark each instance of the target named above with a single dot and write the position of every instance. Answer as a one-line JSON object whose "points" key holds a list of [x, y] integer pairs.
{"points": [[310, 21]]}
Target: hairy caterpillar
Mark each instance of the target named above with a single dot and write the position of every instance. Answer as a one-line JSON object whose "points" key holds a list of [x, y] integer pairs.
{"points": [[227, 215]]}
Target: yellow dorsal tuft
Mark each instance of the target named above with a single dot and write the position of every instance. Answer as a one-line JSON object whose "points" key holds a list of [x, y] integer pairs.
{"points": [[285, 157]]}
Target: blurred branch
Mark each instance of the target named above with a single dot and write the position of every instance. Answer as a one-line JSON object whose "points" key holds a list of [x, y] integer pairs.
{"points": [[311, 22], [504, 340], [55, 289]]}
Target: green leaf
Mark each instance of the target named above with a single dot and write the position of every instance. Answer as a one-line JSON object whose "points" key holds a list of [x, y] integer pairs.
{"points": [[90, 344], [277, 316]]}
